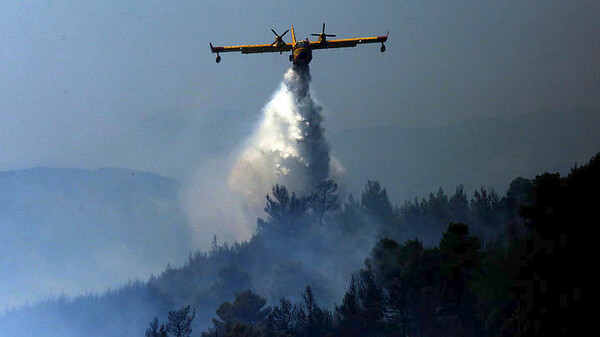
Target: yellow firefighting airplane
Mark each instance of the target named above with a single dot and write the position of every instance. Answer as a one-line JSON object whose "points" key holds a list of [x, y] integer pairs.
{"points": [[301, 50]]}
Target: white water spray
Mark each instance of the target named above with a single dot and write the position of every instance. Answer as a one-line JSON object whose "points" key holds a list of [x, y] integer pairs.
{"points": [[288, 147]]}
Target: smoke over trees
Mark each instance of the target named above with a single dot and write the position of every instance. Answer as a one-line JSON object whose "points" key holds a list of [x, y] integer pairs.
{"points": [[458, 286], [320, 264], [461, 284]]}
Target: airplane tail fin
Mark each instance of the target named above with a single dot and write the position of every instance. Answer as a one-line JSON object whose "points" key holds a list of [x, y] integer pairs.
{"points": [[293, 35]]}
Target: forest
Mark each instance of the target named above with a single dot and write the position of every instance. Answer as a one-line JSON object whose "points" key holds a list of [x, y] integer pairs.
{"points": [[441, 266], [459, 264]]}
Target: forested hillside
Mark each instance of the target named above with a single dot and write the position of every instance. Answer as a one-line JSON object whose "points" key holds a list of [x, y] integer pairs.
{"points": [[521, 282], [458, 264]]}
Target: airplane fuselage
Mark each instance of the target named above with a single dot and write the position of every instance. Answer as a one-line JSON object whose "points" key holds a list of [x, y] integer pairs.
{"points": [[301, 53]]}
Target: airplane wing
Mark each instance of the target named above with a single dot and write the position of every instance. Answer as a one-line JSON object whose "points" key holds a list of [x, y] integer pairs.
{"points": [[344, 43], [253, 48]]}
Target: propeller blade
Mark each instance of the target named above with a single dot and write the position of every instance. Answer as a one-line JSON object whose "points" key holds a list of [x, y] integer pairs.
{"points": [[332, 35], [282, 35], [274, 32], [315, 34], [323, 27]]}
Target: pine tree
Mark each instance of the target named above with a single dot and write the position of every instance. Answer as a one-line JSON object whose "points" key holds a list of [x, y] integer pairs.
{"points": [[459, 206], [375, 201], [311, 319], [371, 300], [180, 322], [349, 314], [460, 260], [323, 198], [281, 318], [286, 213], [248, 309], [155, 331]]}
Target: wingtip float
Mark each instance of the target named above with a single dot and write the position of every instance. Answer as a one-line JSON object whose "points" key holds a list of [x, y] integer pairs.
{"points": [[301, 50]]}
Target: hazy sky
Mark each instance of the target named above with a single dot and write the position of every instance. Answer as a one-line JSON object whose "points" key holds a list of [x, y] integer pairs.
{"points": [[133, 83]]}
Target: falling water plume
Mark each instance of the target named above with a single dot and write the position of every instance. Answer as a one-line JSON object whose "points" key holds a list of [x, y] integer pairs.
{"points": [[288, 147]]}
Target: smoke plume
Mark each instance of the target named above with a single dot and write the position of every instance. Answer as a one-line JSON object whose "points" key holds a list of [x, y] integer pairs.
{"points": [[288, 147]]}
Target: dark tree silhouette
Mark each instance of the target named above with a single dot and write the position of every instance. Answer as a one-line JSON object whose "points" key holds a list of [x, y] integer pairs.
{"points": [[438, 207], [323, 198], [286, 213], [281, 319], [460, 259], [374, 200], [311, 319], [483, 207], [349, 313], [180, 322], [247, 309], [371, 299], [352, 218], [459, 206], [155, 331]]}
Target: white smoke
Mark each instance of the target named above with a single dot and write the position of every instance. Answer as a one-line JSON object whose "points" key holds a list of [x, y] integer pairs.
{"points": [[288, 147]]}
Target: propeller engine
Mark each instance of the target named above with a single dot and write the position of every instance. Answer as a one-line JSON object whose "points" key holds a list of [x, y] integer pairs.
{"points": [[279, 39], [323, 36]]}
